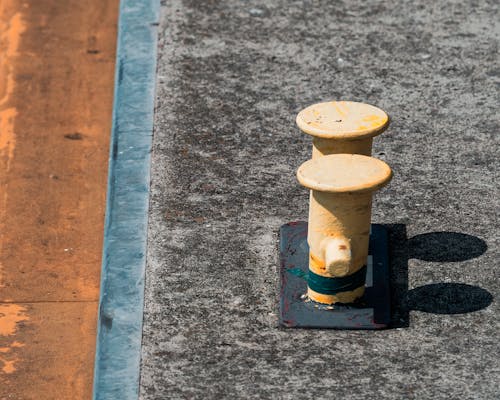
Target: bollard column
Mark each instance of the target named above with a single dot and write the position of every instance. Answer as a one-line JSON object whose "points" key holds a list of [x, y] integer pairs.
{"points": [[339, 223], [342, 127]]}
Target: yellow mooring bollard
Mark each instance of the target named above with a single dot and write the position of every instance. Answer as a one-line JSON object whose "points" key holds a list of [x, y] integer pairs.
{"points": [[339, 223], [338, 257], [342, 127]]}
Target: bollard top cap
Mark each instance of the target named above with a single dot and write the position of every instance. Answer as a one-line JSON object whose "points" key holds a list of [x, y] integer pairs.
{"points": [[348, 120], [344, 173]]}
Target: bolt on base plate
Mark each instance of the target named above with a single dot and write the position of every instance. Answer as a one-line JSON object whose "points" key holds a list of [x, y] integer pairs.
{"points": [[372, 311]]}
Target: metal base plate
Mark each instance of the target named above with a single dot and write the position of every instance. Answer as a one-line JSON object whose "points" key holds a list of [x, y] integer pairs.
{"points": [[371, 312]]}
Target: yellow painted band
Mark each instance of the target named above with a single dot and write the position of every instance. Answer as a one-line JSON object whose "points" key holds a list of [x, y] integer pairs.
{"points": [[343, 297]]}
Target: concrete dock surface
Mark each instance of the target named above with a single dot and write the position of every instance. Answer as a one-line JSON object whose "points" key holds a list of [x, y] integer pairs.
{"points": [[232, 76]]}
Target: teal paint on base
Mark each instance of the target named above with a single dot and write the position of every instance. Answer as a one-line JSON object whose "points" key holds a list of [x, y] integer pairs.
{"points": [[119, 331], [326, 285]]}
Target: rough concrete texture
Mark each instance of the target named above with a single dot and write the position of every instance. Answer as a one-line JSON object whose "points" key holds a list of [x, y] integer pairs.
{"points": [[232, 76]]}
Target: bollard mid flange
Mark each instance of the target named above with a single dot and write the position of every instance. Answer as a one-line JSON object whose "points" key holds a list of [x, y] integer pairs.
{"points": [[341, 186], [372, 311]]}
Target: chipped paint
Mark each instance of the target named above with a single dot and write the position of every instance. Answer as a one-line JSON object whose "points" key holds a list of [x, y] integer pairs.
{"points": [[7, 136], [11, 29], [9, 360], [11, 315]]}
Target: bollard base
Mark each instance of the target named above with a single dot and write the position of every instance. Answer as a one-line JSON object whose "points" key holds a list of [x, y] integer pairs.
{"points": [[372, 311]]}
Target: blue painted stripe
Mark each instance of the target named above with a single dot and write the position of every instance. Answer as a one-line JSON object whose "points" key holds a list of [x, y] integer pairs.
{"points": [[119, 331]]}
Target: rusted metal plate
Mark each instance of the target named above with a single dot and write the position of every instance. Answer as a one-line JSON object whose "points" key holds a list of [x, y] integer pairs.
{"points": [[57, 63], [372, 311]]}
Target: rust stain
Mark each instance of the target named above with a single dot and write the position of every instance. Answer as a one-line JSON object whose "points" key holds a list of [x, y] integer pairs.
{"points": [[10, 316]]}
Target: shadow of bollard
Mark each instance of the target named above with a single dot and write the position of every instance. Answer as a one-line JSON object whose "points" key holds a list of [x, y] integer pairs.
{"points": [[398, 260], [446, 246], [448, 298], [438, 298]]}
